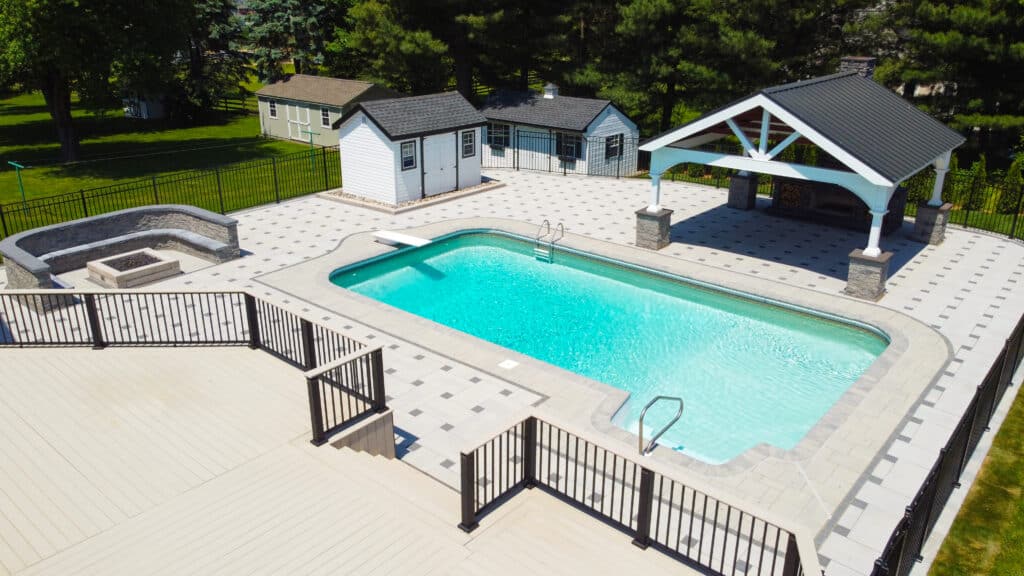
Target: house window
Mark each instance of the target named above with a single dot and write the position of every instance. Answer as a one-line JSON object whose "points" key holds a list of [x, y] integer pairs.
{"points": [[498, 134], [408, 155], [613, 147], [568, 145], [273, 109], [325, 118], [468, 144]]}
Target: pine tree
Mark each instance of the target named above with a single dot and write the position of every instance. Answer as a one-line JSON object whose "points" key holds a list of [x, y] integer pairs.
{"points": [[288, 30]]}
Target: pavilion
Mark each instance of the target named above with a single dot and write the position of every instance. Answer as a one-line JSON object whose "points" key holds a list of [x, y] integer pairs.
{"points": [[874, 140]]}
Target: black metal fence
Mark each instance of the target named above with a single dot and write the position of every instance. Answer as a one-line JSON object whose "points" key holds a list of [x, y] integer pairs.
{"points": [[904, 547], [350, 376], [658, 511], [221, 189], [596, 156]]}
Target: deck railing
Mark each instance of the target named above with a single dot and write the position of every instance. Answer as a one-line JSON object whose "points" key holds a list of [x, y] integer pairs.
{"points": [[349, 375], [658, 511], [903, 549]]}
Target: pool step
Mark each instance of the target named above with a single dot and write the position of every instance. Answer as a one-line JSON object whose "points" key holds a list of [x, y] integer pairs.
{"points": [[542, 253]]}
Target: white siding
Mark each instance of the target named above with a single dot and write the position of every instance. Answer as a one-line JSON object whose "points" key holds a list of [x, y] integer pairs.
{"points": [[408, 183], [368, 160], [469, 168], [609, 123]]}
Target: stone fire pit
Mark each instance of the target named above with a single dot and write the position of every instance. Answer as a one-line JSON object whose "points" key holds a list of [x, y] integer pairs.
{"points": [[131, 269]]}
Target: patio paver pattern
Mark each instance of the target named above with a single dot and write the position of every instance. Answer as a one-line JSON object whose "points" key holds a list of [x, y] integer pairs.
{"points": [[969, 289]]}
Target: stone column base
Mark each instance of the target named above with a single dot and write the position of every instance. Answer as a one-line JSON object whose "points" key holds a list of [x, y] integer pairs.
{"points": [[742, 191], [652, 228], [867, 276], [930, 223]]}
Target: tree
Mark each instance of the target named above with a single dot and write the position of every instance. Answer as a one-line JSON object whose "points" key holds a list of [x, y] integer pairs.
{"points": [[977, 185], [385, 48], [967, 57], [215, 67], [66, 46], [289, 29], [1013, 186]]}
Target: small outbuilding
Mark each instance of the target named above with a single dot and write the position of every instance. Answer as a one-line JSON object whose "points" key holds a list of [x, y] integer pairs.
{"points": [[403, 149], [555, 133], [299, 104]]}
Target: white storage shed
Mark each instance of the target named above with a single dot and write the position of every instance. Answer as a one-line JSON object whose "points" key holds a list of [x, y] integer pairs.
{"points": [[403, 149]]}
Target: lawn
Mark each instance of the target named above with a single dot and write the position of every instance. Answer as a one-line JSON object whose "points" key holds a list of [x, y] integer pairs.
{"points": [[987, 537], [115, 148]]}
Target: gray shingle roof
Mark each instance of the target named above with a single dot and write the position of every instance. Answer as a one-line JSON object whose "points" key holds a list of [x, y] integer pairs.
{"points": [[323, 90], [419, 115], [869, 121], [560, 112]]}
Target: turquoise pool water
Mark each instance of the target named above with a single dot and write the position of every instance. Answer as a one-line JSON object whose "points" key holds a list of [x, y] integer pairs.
{"points": [[748, 372]]}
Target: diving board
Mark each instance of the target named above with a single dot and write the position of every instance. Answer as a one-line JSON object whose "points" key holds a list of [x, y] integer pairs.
{"points": [[398, 239]]}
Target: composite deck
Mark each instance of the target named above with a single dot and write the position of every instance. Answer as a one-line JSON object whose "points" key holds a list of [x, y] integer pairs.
{"points": [[197, 461]]}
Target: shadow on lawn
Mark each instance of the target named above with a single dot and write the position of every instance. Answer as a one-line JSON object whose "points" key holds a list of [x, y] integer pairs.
{"points": [[26, 140], [822, 249]]}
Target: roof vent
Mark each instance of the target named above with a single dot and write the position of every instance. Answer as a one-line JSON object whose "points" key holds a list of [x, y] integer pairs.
{"points": [[863, 65], [550, 90]]}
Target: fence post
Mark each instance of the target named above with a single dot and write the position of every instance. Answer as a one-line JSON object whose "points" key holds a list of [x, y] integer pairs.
{"points": [[1016, 214], [323, 156], [156, 195], [315, 415], [92, 315], [970, 432], [252, 317], [308, 344], [646, 504], [618, 166], [85, 207], [467, 477], [220, 192], [881, 568], [277, 192], [380, 403], [3, 220], [967, 212], [530, 452], [792, 567]]}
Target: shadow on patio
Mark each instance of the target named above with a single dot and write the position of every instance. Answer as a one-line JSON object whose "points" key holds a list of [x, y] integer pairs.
{"points": [[797, 243]]}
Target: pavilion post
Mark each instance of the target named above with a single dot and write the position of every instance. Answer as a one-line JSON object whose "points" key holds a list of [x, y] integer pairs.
{"points": [[869, 268], [655, 205], [941, 168], [875, 235]]}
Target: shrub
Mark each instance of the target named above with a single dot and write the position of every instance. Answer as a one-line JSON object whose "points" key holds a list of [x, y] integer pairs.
{"points": [[695, 170], [811, 156], [919, 187], [978, 185], [949, 192], [1013, 184]]}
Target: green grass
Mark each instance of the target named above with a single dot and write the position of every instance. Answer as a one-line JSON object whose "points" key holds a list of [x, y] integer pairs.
{"points": [[987, 537], [115, 148]]}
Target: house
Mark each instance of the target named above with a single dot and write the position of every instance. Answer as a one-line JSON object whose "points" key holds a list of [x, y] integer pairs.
{"points": [[403, 149], [299, 104], [143, 107], [558, 134]]}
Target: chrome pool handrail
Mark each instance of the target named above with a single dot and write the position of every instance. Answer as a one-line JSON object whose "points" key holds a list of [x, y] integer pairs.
{"points": [[650, 445]]}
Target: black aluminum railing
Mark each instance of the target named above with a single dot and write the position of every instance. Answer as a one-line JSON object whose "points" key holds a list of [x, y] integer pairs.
{"points": [[349, 376], [656, 510], [903, 549]]}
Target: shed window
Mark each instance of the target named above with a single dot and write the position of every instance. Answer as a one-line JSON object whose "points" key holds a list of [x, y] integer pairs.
{"points": [[273, 109], [568, 145], [325, 118], [468, 144], [408, 155], [498, 134], [613, 146]]}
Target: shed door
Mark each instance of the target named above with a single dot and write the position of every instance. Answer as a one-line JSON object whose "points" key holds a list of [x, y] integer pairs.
{"points": [[438, 164], [298, 122]]}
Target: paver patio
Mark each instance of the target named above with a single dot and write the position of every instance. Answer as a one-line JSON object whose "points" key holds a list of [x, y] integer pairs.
{"points": [[968, 289]]}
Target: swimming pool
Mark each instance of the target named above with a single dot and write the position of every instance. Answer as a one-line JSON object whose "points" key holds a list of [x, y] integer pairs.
{"points": [[749, 371]]}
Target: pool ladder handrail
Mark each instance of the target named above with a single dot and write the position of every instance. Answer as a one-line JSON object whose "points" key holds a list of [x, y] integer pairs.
{"points": [[544, 231], [644, 450]]}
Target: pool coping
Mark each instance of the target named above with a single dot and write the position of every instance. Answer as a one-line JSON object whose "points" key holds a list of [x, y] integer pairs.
{"points": [[916, 356]]}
